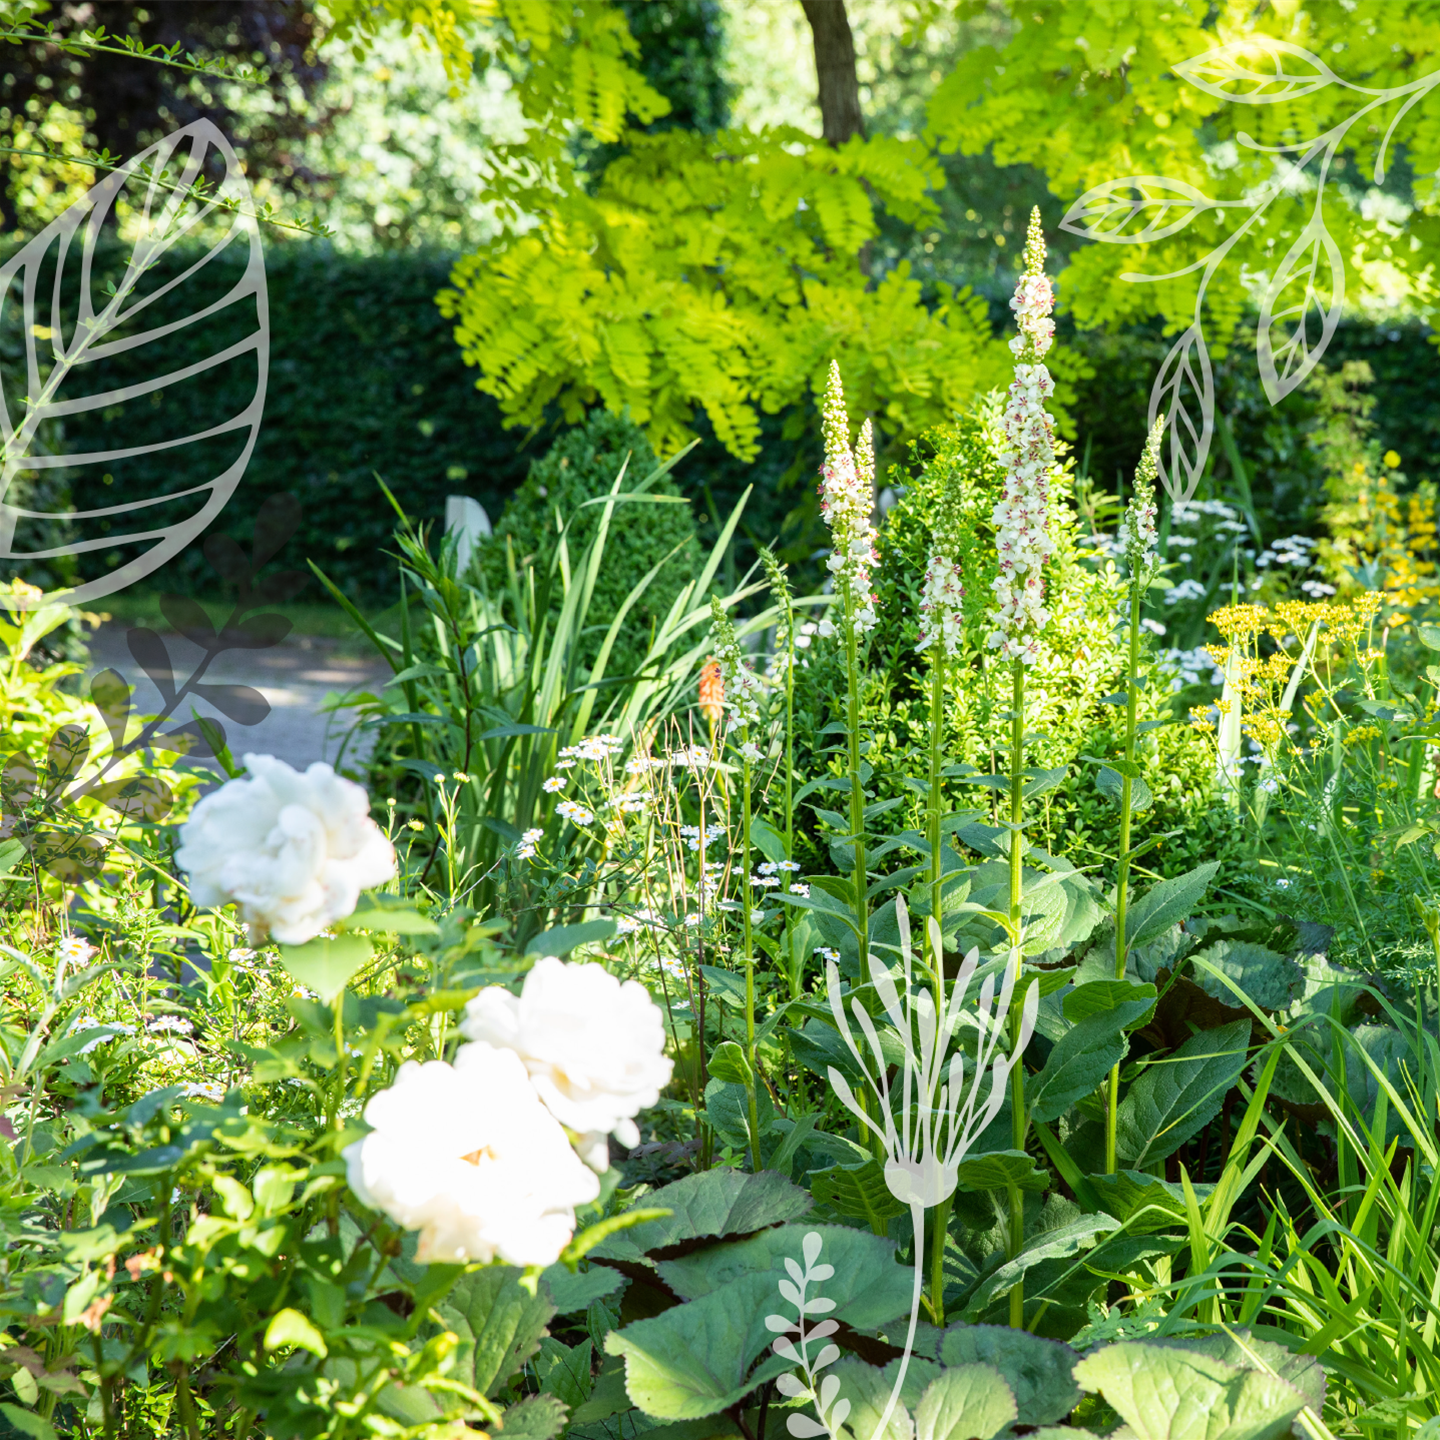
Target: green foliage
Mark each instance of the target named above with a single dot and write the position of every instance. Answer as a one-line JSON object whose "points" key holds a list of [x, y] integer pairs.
{"points": [[1071, 712], [674, 286], [1135, 117], [580, 468]]}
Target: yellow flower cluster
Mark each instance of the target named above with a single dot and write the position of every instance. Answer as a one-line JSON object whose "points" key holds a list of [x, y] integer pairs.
{"points": [[1361, 734], [1371, 524]]}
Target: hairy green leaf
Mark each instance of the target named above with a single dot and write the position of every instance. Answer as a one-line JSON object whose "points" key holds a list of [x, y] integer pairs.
{"points": [[967, 1402], [1038, 1372]]}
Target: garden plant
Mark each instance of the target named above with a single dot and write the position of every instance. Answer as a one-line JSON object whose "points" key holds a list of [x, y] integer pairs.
{"points": [[979, 981]]}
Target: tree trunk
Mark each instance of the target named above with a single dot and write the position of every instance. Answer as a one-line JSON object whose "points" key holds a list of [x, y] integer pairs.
{"points": [[835, 67]]}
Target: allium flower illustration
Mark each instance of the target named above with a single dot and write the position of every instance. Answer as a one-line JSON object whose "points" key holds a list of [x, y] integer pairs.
{"points": [[940, 1111], [1022, 515], [847, 485]]}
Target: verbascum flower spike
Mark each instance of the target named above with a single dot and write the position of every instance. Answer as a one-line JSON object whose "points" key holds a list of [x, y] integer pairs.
{"points": [[1137, 529], [741, 685], [847, 481], [1022, 515]]}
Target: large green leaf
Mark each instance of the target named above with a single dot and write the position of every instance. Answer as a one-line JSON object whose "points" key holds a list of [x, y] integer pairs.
{"points": [[1271, 980], [537, 1417], [858, 1190], [967, 1402], [1038, 1372], [869, 1388], [572, 1293], [1083, 1057], [499, 1323], [717, 1202], [695, 1359], [326, 965], [999, 1169], [1168, 902], [1145, 1202], [1055, 1244], [1165, 1393], [1177, 1096], [868, 1287], [1093, 997], [1242, 1349]]}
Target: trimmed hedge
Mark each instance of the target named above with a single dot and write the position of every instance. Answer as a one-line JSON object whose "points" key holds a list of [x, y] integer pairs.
{"points": [[366, 379]]}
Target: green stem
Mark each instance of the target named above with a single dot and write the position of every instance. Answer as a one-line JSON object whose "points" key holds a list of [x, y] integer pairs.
{"points": [[1017, 1074], [1122, 883], [937, 717], [753, 1082], [937, 1261], [857, 793]]}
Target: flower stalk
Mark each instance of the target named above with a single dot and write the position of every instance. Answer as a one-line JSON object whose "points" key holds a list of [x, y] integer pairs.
{"points": [[847, 499], [1023, 544], [741, 690], [1138, 536]]}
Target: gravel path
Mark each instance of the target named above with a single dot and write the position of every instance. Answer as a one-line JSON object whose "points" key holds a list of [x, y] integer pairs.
{"points": [[296, 678]]}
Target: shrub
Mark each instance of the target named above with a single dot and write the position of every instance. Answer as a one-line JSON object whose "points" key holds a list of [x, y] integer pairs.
{"points": [[581, 466]]}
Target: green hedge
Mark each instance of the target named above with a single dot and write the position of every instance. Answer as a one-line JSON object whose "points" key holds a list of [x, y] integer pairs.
{"points": [[365, 379]]}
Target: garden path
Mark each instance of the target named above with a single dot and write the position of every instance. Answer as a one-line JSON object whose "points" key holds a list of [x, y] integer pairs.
{"points": [[296, 677]]}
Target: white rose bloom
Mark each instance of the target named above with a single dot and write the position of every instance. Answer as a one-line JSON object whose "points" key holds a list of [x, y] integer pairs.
{"points": [[467, 1155], [293, 851], [594, 1047]]}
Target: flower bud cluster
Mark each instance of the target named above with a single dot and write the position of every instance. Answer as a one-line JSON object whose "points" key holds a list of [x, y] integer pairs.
{"points": [[1137, 529], [741, 684], [1022, 515], [847, 498]]}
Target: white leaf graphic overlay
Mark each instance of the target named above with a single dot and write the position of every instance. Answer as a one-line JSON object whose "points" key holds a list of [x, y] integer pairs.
{"points": [[1311, 274], [1259, 70], [1183, 390], [1162, 206], [166, 210]]}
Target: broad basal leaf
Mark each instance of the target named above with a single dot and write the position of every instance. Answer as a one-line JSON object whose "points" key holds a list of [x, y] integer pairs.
{"points": [[1038, 1372], [868, 1288], [1168, 902], [717, 1202], [1000, 1169], [499, 1324], [1067, 1239], [1176, 1394], [1178, 1094], [696, 1359], [1145, 1203], [1272, 981], [859, 1191], [1083, 1057], [967, 1402]]}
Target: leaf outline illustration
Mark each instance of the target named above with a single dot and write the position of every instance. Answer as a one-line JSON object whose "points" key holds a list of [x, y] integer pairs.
{"points": [[1280, 372], [1211, 70], [164, 222], [1187, 444], [1105, 201]]}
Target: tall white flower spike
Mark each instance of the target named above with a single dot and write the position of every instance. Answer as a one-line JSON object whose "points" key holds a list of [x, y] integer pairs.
{"points": [[1022, 515], [847, 498]]}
